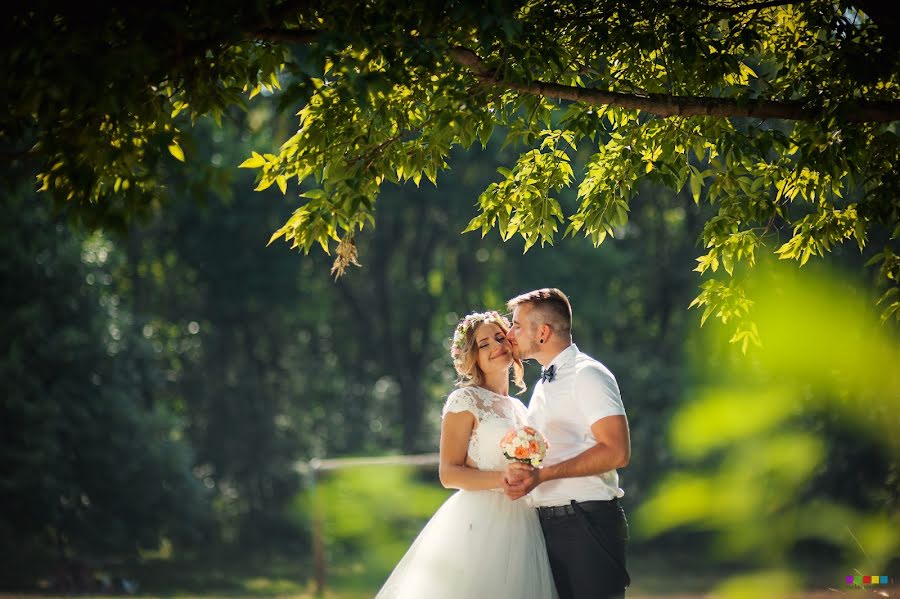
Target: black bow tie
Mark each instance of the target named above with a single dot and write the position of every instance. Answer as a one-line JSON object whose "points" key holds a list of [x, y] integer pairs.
{"points": [[547, 375]]}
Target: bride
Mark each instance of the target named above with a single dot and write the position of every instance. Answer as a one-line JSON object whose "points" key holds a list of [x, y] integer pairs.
{"points": [[479, 544]]}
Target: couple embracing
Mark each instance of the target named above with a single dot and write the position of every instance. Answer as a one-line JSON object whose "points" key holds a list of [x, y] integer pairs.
{"points": [[514, 531]]}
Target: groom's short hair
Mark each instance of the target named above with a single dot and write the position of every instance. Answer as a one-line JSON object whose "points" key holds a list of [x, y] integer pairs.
{"points": [[551, 303]]}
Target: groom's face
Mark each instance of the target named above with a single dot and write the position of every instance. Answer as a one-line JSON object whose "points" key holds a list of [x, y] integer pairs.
{"points": [[521, 335]]}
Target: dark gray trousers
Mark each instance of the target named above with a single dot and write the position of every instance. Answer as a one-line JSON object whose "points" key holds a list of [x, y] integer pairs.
{"points": [[586, 546]]}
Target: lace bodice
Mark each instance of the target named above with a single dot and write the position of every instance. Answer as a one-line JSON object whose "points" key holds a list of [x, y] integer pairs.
{"points": [[495, 414]]}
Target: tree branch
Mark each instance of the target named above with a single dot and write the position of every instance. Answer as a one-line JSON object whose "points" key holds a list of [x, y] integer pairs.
{"points": [[666, 105], [662, 105], [733, 10]]}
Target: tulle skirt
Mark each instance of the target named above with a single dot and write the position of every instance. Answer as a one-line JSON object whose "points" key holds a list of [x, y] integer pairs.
{"points": [[478, 545]]}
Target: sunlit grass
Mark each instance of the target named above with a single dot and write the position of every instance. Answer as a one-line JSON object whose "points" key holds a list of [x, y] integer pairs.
{"points": [[369, 517], [268, 586]]}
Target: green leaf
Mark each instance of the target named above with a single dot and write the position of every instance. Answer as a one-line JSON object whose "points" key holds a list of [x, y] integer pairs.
{"points": [[474, 224], [176, 151], [314, 194], [747, 71], [699, 149], [279, 233], [696, 185], [431, 172], [484, 133], [264, 184], [255, 161], [706, 314]]}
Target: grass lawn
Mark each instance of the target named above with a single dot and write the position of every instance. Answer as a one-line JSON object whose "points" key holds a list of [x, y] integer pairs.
{"points": [[664, 576]]}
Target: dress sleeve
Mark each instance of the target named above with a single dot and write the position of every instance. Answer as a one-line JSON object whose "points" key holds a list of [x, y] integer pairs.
{"points": [[597, 394], [461, 400]]}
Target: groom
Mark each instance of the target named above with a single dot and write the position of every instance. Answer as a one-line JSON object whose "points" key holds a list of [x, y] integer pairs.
{"points": [[576, 405]]}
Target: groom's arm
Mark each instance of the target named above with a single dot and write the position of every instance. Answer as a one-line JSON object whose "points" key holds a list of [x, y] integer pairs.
{"points": [[597, 399], [612, 450]]}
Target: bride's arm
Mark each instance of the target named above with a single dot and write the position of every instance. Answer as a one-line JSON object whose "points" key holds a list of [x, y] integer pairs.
{"points": [[456, 429]]}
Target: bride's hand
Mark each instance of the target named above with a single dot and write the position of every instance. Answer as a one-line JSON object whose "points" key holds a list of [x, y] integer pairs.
{"points": [[519, 480], [516, 479], [517, 471]]}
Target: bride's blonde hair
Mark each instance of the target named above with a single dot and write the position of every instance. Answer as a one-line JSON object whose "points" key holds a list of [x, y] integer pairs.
{"points": [[464, 351]]}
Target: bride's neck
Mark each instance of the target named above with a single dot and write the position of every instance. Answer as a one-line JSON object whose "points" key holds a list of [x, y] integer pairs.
{"points": [[497, 382]]}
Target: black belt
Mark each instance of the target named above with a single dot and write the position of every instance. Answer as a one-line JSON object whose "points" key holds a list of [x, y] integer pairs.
{"points": [[558, 511]]}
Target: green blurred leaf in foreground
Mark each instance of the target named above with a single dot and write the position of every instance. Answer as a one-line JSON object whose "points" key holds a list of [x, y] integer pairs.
{"points": [[758, 434]]}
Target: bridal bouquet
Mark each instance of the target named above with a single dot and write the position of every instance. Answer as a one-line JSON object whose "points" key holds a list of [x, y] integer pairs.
{"points": [[525, 445]]}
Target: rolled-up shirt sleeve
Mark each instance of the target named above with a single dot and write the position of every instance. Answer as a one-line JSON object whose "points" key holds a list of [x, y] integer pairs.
{"points": [[597, 394]]}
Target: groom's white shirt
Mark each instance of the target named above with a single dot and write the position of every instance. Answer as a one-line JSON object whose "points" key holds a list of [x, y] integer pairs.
{"points": [[582, 392]]}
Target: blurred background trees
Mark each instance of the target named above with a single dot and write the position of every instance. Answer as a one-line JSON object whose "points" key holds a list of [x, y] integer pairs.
{"points": [[163, 382], [165, 372], [221, 363]]}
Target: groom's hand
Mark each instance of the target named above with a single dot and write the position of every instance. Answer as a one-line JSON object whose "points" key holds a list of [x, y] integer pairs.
{"points": [[516, 471], [519, 480]]}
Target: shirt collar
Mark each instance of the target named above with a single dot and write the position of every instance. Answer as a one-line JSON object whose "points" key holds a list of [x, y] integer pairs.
{"points": [[564, 357]]}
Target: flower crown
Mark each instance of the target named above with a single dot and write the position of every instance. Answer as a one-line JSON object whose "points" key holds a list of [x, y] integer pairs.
{"points": [[465, 325]]}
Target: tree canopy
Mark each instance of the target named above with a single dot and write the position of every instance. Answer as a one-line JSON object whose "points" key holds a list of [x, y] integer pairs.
{"points": [[780, 115]]}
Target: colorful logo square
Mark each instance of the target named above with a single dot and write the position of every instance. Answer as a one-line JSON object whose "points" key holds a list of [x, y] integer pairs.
{"points": [[866, 580]]}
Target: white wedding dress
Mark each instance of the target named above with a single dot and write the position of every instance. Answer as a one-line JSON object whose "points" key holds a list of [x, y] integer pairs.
{"points": [[479, 544]]}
